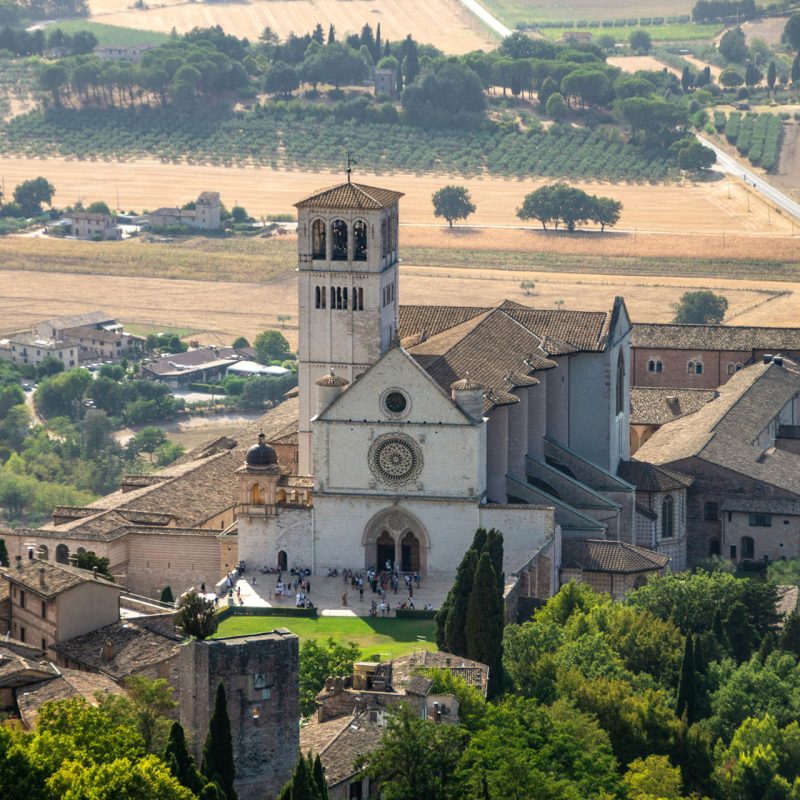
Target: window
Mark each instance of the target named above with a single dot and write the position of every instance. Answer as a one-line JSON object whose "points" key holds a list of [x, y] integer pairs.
{"points": [[698, 368], [760, 520], [384, 239], [44, 609], [713, 547], [360, 241], [358, 299], [22, 598], [318, 250], [655, 365], [339, 240], [711, 512], [620, 383], [667, 518], [690, 367], [731, 368], [320, 294], [62, 554], [22, 633], [748, 547], [44, 644]]}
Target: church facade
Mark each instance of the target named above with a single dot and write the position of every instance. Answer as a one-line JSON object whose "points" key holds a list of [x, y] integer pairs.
{"points": [[419, 424]]}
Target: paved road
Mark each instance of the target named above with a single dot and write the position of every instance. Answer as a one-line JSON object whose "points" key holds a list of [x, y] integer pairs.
{"points": [[484, 16], [728, 164]]}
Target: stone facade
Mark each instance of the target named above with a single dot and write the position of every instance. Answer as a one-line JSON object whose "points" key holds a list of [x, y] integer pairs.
{"points": [[261, 680]]}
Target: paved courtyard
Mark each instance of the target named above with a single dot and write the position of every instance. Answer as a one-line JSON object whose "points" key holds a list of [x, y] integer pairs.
{"points": [[335, 597]]}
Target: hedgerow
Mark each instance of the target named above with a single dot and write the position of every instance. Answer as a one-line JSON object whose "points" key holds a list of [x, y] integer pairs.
{"points": [[757, 136]]}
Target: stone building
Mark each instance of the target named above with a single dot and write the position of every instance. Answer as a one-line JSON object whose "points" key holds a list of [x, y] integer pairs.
{"points": [[88, 225], [261, 680], [740, 450], [204, 216]]}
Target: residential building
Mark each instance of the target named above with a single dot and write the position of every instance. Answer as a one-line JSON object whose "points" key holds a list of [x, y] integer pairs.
{"points": [[385, 82], [131, 52], [199, 365], [204, 216], [740, 449], [51, 602], [27, 348], [86, 225]]}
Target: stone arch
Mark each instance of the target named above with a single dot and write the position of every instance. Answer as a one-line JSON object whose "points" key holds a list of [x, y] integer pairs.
{"points": [[396, 524], [283, 561], [44, 552], [62, 554], [319, 234], [339, 240], [359, 240]]}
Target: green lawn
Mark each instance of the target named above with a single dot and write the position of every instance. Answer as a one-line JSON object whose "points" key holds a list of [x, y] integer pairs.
{"points": [[686, 32], [374, 635], [108, 35]]}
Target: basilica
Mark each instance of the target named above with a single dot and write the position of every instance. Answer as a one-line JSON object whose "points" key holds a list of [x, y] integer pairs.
{"points": [[419, 424]]}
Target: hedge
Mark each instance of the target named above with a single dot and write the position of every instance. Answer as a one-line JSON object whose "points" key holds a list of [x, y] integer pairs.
{"points": [[260, 611], [413, 613], [209, 388]]}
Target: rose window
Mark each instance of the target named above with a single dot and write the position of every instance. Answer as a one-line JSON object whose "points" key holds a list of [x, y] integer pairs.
{"points": [[395, 459]]}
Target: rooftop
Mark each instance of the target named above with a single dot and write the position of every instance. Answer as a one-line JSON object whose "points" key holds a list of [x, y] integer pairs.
{"points": [[79, 320], [658, 406], [200, 358], [351, 196], [48, 579], [650, 478], [602, 555], [672, 336]]}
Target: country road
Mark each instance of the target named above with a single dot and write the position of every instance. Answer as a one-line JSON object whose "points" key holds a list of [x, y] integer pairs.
{"points": [[484, 16], [726, 163]]}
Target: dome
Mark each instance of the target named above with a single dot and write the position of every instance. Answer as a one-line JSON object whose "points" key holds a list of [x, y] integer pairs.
{"points": [[332, 380], [466, 385], [261, 454]]}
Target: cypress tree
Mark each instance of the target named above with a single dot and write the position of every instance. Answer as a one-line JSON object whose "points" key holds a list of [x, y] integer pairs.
{"points": [[796, 69], [772, 75], [484, 624], [377, 49], [479, 540], [494, 547], [319, 772], [3, 553], [768, 645], [790, 635], [180, 762], [455, 625], [686, 685], [719, 633], [302, 785], [741, 633], [331, 34], [217, 764]]}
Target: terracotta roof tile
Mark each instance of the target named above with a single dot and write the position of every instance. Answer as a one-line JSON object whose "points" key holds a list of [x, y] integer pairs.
{"points": [[47, 579], [650, 406], [714, 337], [351, 196], [650, 478], [601, 555]]}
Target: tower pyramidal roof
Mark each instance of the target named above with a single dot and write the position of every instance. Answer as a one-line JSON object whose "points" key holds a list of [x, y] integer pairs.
{"points": [[351, 196]]}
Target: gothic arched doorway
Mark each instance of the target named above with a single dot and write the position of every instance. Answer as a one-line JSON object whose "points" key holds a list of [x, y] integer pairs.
{"points": [[397, 536], [409, 553], [283, 561], [384, 555]]}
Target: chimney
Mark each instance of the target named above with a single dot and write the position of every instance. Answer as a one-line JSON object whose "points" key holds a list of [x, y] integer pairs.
{"points": [[30, 553], [94, 572], [767, 358], [41, 577], [108, 650], [467, 394], [19, 562], [329, 387], [777, 361]]}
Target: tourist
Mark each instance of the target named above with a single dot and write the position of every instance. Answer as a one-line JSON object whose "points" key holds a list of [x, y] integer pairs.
{"points": [[361, 592]]}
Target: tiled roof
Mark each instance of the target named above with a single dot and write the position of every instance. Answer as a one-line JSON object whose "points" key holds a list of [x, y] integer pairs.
{"points": [[714, 337], [756, 506], [602, 555], [48, 580], [404, 667], [351, 196], [725, 431], [70, 683], [650, 406], [135, 644], [201, 357], [78, 320], [650, 478]]}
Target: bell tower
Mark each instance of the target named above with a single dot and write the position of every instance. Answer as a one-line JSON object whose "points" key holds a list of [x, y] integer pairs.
{"points": [[348, 289]]}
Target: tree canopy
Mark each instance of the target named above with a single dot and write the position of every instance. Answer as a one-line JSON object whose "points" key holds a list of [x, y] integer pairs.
{"points": [[701, 307], [452, 203], [559, 203]]}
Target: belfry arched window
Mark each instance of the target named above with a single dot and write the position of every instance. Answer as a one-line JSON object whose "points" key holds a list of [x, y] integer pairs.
{"points": [[318, 236], [339, 240], [360, 241]]}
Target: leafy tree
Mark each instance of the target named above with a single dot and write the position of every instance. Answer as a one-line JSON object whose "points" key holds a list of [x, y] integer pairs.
{"points": [[281, 78], [607, 211], [653, 777], [452, 203], [196, 618], [52, 78], [239, 214], [166, 453], [791, 31], [217, 764], [212, 791], [179, 760], [30, 195], [731, 78], [167, 596], [733, 46], [450, 94], [696, 157], [789, 639], [90, 560], [271, 346], [147, 440], [62, 395], [416, 759], [484, 622], [701, 307], [240, 341], [49, 366], [556, 107], [640, 41], [795, 74], [319, 661], [99, 207], [548, 88]]}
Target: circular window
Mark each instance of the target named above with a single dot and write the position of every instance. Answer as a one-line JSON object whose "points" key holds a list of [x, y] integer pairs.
{"points": [[395, 459], [395, 402]]}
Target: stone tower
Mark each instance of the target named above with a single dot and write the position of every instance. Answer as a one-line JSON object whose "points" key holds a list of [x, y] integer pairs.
{"points": [[261, 679], [348, 288]]}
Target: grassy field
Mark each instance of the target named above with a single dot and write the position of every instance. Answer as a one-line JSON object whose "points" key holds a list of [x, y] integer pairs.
{"points": [[513, 11], [113, 35], [386, 637], [672, 208], [687, 32], [443, 23]]}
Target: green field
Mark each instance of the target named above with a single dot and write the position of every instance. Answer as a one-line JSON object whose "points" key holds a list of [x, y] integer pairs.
{"points": [[115, 35], [374, 635], [687, 32], [514, 11]]}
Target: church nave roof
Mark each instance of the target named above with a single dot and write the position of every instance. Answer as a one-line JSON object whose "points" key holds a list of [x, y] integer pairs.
{"points": [[351, 196]]}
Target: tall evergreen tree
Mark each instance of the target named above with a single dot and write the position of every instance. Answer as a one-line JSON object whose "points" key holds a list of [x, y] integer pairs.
{"points": [[180, 762], [720, 634], [319, 772], [479, 540], [331, 34], [377, 50], [772, 75], [686, 685], [455, 625], [3, 553], [494, 546], [410, 60], [318, 35], [741, 634], [302, 785], [217, 764], [790, 634], [485, 620]]}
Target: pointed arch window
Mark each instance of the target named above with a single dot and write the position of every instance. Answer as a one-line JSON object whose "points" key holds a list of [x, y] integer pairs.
{"points": [[318, 240], [620, 383], [339, 240], [384, 239], [360, 241], [667, 518]]}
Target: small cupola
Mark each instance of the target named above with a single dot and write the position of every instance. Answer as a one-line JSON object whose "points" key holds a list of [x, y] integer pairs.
{"points": [[329, 387], [261, 454], [467, 394]]}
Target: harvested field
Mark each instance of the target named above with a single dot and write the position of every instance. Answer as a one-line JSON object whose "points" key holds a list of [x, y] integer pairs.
{"points": [[689, 208], [635, 63], [770, 29], [513, 11], [218, 312], [443, 23]]}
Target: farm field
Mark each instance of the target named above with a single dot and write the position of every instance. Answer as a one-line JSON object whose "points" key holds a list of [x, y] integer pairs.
{"points": [[108, 35], [389, 637], [443, 23], [697, 208], [635, 63], [679, 32], [513, 11]]}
